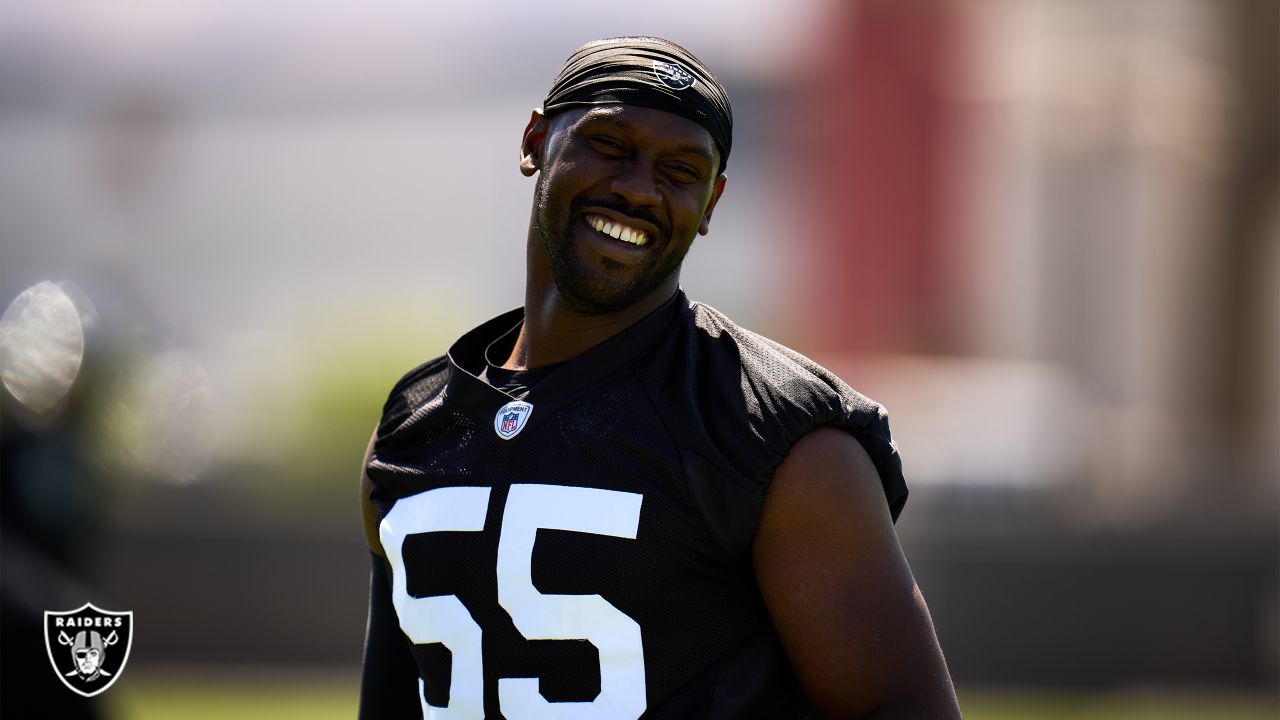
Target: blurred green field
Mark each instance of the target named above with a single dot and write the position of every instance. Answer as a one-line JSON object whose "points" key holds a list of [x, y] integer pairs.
{"points": [[330, 697], [1138, 704]]}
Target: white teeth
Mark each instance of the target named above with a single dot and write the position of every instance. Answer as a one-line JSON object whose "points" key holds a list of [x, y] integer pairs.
{"points": [[617, 230]]}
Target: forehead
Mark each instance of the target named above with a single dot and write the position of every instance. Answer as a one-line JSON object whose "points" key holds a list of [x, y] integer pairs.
{"points": [[647, 123]]}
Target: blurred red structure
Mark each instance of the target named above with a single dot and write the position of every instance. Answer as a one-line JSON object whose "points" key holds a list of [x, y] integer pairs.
{"points": [[880, 128]]}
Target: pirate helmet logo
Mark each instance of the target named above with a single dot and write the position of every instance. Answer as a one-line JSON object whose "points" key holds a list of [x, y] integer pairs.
{"points": [[88, 647]]}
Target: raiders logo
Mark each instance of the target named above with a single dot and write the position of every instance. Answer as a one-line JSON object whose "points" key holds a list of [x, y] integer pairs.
{"points": [[88, 646], [673, 75]]}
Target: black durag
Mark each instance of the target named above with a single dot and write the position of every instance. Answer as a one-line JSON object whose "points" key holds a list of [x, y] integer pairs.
{"points": [[649, 72]]}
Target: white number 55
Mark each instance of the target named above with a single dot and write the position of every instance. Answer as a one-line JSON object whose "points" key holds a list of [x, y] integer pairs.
{"points": [[444, 619]]}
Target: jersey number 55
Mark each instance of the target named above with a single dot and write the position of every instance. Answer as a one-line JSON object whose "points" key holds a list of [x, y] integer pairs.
{"points": [[444, 619]]}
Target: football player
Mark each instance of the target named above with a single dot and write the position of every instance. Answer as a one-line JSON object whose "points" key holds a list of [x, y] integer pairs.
{"points": [[614, 502]]}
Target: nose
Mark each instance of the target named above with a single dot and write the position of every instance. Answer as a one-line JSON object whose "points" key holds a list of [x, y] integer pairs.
{"points": [[636, 185]]}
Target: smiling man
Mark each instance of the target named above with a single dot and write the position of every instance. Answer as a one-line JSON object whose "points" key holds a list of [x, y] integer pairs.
{"points": [[616, 503]]}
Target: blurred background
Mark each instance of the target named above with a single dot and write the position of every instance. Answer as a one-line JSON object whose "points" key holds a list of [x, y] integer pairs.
{"points": [[1042, 232]]}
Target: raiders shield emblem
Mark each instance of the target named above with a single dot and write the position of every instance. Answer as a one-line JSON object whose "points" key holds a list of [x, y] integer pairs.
{"points": [[88, 646]]}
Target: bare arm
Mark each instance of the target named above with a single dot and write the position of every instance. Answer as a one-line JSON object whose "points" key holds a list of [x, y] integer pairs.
{"points": [[839, 589]]}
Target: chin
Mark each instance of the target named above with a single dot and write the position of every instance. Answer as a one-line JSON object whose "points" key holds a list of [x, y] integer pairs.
{"points": [[590, 298]]}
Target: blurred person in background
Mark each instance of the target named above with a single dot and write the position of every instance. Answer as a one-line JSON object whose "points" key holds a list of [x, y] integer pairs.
{"points": [[716, 510], [51, 494]]}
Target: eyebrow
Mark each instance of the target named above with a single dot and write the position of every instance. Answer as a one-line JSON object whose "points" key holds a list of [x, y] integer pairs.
{"points": [[683, 148], [699, 150]]}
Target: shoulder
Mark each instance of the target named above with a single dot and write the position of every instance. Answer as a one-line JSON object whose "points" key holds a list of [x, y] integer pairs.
{"points": [[826, 490], [785, 384], [826, 463], [766, 361], [788, 396], [408, 395], [411, 391]]}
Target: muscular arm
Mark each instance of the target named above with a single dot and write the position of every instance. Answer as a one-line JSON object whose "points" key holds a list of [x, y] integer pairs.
{"points": [[388, 682], [839, 589]]}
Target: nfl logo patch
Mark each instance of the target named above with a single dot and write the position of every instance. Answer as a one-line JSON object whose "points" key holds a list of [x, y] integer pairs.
{"points": [[512, 418]]}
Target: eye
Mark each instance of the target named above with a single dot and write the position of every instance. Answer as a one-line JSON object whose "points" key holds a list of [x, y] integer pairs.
{"points": [[608, 146], [682, 173]]}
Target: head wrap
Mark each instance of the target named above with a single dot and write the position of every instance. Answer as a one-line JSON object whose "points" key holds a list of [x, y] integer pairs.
{"points": [[649, 72]]}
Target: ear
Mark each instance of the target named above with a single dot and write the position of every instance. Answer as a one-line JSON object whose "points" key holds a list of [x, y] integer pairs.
{"points": [[533, 143], [716, 191]]}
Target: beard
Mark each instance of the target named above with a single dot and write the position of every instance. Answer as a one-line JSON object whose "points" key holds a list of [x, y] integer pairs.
{"points": [[599, 287]]}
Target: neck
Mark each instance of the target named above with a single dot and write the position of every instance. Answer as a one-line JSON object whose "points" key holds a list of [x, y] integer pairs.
{"points": [[553, 331]]}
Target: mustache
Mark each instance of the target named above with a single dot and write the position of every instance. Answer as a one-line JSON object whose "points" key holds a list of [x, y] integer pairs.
{"points": [[622, 207]]}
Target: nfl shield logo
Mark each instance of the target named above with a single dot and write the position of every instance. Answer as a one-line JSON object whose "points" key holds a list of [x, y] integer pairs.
{"points": [[88, 646], [511, 419]]}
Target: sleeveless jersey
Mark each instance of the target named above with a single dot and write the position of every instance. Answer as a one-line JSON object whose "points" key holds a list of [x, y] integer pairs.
{"points": [[591, 557]]}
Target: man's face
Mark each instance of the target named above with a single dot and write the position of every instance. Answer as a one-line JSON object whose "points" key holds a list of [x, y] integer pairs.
{"points": [[87, 660], [645, 175]]}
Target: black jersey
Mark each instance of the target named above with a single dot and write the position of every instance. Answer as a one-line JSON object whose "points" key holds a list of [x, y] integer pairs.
{"points": [[585, 552]]}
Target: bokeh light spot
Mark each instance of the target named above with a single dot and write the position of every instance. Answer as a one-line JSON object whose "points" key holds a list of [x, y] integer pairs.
{"points": [[41, 346]]}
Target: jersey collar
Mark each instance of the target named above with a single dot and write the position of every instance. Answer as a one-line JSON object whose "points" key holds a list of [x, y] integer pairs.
{"points": [[566, 382]]}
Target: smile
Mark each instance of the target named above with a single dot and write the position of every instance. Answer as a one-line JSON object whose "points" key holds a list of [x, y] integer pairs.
{"points": [[617, 230]]}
